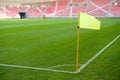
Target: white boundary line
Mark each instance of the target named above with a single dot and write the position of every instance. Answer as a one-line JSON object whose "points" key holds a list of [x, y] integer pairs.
{"points": [[63, 65], [36, 68], [90, 60]]}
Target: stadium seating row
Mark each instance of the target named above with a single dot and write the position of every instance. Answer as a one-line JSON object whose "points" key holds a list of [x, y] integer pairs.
{"points": [[63, 8]]}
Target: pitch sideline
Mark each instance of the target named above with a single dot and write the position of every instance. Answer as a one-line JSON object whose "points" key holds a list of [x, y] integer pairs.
{"points": [[36, 68]]}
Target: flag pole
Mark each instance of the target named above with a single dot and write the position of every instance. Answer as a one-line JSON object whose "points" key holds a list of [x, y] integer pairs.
{"points": [[78, 42], [77, 53]]}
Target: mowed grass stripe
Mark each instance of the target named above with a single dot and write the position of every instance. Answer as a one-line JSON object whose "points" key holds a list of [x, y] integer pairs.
{"points": [[33, 26], [29, 23]]}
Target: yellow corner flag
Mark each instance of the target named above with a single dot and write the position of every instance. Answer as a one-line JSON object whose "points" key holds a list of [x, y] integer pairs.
{"points": [[88, 22]]}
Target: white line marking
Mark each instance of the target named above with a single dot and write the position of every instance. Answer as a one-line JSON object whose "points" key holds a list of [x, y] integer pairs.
{"points": [[63, 65], [90, 60], [36, 68]]}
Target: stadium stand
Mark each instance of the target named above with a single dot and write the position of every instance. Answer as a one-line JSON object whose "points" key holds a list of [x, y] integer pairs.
{"points": [[115, 10], [1, 11], [51, 8], [64, 8], [98, 7], [76, 9], [61, 7], [11, 11]]}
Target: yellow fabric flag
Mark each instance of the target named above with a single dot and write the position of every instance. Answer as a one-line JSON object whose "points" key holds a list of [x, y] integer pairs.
{"points": [[88, 22]]}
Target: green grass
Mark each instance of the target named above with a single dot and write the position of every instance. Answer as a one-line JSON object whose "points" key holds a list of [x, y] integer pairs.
{"points": [[51, 42]]}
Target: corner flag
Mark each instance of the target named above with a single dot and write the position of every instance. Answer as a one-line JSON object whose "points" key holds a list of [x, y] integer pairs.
{"points": [[88, 22]]}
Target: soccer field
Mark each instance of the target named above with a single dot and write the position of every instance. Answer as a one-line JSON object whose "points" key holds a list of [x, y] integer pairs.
{"points": [[45, 49]]}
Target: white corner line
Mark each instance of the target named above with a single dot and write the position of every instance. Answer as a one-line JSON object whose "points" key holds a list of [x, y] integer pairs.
{"points": [[36, 68], [95, 56], [63, 65]]}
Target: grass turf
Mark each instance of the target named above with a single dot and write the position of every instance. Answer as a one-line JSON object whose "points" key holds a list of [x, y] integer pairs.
{"points": [[51, 42]]}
